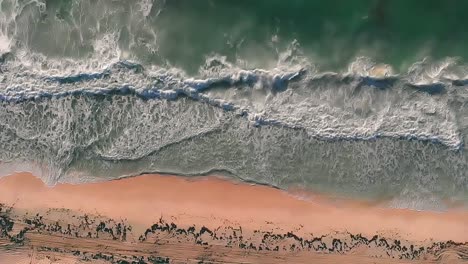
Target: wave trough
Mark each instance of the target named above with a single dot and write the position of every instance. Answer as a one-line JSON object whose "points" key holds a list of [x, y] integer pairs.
{"points": [[99, 111]]}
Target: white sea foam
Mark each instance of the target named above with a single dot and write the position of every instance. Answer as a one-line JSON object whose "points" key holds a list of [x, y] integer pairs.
{"points": [[276, 124], [4, 44]]}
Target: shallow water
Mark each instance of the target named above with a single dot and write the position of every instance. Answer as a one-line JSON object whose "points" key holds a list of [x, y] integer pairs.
{"points": [[364, 98]]}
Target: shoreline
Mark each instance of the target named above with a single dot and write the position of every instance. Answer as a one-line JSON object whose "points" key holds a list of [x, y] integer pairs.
{"points": [[146, 201]]}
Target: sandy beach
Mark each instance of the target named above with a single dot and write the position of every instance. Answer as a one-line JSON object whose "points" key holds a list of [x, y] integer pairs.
{"points": [[159, 208]]}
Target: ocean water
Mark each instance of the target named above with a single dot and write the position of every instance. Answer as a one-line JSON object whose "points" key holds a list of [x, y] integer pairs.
{"points": [[361, 98]]}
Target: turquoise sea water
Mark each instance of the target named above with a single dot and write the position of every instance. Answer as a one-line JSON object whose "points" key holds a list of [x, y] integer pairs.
{"points": [[332, 32], [184, 32], [367, 98]]}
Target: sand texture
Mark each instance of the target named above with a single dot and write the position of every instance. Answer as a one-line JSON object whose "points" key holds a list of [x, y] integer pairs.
{"points": [[170, 219]]}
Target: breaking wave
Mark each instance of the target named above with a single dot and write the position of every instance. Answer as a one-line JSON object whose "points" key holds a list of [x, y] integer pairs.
{"points": [[98, 110]]}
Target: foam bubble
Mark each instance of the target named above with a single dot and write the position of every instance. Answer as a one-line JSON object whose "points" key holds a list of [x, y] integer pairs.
{"points": [[4, 44]]}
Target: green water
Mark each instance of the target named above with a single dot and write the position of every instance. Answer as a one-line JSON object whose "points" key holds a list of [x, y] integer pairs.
{"points": [[95, 116], [184, 32], [333, 32]]}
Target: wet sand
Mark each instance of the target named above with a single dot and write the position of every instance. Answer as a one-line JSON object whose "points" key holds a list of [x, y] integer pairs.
{"points": [[269, 222]]}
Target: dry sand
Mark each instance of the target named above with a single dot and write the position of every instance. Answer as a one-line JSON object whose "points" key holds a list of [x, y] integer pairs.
{"points": [[213, 202], [144, 199]]}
